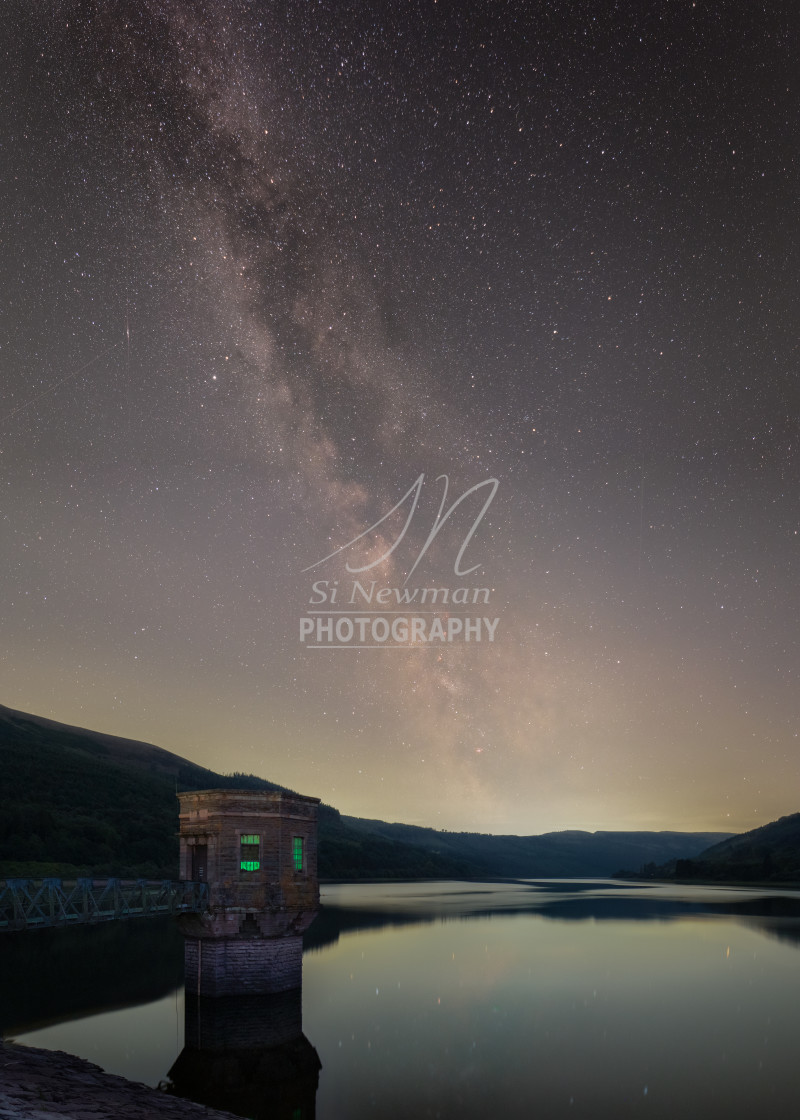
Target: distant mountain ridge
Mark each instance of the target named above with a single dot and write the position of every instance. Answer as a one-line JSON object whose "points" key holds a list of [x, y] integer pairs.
{"points": [[76, 800], [550, 855]]}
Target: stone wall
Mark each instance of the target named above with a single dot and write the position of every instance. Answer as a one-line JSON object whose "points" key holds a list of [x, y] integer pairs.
{"points": [[246, 966], [249, 940], [48, 1085], [217, 818]]}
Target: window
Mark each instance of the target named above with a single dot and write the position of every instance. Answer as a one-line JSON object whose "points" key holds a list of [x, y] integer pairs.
{"points": [[297, 853], [250, 852], [199, 854]]}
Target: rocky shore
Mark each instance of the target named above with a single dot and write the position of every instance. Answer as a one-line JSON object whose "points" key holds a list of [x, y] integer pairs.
{"points": [[52, 1085]]}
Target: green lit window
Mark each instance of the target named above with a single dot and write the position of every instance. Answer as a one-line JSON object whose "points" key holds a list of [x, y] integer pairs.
{"points": [[250, 853], [297, 853]]}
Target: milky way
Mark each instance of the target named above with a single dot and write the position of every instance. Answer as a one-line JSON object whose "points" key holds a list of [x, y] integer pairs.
{"points": [[266, 265]]}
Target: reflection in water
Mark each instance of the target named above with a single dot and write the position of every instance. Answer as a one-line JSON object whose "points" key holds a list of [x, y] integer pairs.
{"points": [[248, 1055], [51, 975], [462, 1001], [358, 907], [607, 1003]]}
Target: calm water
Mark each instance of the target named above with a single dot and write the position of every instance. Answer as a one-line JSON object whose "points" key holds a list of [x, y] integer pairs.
{"points": [[466, 1000]]}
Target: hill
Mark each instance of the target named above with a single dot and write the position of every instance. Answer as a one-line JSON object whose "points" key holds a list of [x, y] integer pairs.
{"points": [[550, 855], [770, 854], [77, 801], [74, 801], [35, 731]]}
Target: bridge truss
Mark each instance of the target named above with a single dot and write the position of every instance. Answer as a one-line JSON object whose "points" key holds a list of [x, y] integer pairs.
{"points": [[38, 903]]}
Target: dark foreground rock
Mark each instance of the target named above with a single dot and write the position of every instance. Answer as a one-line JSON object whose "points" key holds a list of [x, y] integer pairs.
{"points": [[52, 1085]]}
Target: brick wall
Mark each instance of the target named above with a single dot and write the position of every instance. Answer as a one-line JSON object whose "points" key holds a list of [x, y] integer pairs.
{"points": [[218, 818], [246, 966], [248, 940]]}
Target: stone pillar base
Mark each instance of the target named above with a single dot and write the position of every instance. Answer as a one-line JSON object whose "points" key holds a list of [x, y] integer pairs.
{"points": [[246, 966]]}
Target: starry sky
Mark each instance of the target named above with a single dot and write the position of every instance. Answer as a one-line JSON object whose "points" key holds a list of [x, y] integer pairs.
{"points": [[266, 265]]}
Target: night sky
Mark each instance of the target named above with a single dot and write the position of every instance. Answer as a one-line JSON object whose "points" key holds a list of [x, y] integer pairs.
{"points": [[264, 265]]}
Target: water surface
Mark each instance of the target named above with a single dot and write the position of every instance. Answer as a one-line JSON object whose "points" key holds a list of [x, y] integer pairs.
{"points": [[470, 1000]]}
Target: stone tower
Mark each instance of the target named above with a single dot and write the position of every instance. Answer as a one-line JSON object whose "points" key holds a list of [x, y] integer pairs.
{"points": [[257, 850]]}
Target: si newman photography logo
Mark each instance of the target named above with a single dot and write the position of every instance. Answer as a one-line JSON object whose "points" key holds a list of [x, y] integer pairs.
{"points": [[364, 614]]}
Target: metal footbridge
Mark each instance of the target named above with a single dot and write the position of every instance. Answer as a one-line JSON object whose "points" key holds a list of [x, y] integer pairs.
{"points": [[39, 903]]}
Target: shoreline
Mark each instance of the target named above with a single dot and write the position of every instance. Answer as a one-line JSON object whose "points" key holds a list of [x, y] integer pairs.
{"points": [[40, 1084]]}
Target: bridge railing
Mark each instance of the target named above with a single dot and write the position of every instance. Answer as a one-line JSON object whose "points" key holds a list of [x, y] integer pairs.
{"points": [[38, 903]]}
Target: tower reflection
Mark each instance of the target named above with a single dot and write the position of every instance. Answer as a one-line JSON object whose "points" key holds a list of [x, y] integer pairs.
{"points": [[248, 1055]]}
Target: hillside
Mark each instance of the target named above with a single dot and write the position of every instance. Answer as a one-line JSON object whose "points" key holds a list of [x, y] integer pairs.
{"points": [[34, 731], [553, 854], [767, 854], [74, 801], [770, 854]]}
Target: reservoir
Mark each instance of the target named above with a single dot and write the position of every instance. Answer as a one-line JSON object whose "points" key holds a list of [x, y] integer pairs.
{"points": [[554, 998]]}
